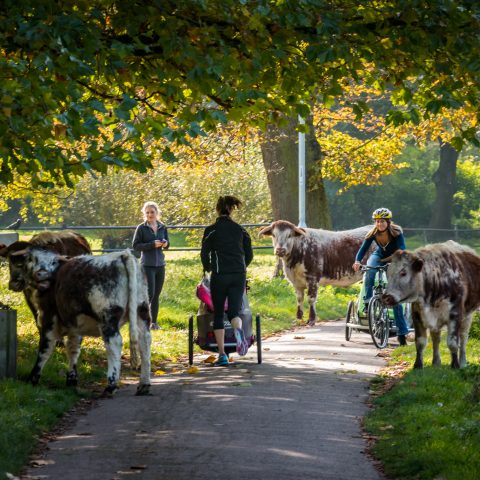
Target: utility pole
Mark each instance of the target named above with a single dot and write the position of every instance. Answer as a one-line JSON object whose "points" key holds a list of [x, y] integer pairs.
{"points": [[301, 176]]}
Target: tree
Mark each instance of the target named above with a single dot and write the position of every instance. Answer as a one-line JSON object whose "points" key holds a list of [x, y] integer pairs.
{"points": [[88, 84], [280, 159], [445, 187]]}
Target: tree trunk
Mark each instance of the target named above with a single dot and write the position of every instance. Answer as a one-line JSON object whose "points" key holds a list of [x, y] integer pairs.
{"points": [[280, 158], [445, 186]]}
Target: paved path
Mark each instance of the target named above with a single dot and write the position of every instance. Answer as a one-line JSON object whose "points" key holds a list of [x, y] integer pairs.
{"points": [[294, 417]]}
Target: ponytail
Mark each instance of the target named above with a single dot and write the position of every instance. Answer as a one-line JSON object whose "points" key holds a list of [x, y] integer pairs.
{"points": [[226, 204]]}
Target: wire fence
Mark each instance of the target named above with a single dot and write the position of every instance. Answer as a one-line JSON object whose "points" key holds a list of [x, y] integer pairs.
{"points": [[122, 235]]}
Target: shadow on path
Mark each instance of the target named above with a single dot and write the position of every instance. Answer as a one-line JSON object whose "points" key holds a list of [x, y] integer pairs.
{"points": [[295, 416]]}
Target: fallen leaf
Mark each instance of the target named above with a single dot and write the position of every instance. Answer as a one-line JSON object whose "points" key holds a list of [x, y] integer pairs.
{"points": [[297, 337], [386, 427], [210, 359], [159, 372], [193, 370]]}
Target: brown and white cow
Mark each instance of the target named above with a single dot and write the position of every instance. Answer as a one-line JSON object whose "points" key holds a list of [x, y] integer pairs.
{"points": [[65, 242], [90, 296], [313, 257], [442, 281]]}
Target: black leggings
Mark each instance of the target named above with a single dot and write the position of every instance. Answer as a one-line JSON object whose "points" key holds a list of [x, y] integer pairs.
{"points": [[223, 286], [155, 279]]}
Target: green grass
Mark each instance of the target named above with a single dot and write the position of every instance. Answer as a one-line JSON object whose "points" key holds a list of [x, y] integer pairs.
{"points": [[428, 425]]}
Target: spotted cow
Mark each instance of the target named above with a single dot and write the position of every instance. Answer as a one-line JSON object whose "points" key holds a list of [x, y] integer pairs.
{"points": [[65, 242], [90, 296], [442, 281], [313, 257]]}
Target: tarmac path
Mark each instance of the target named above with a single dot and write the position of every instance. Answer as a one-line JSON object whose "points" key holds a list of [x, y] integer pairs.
{"points": [[295, 416]]}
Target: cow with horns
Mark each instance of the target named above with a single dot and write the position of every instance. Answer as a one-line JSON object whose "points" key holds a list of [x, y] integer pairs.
{"points": [[64, 242], [89, 296], [442, 282], [313, 257]]}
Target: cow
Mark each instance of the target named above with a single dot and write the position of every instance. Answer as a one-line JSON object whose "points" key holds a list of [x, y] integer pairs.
{"points": [[90, 296], [313, 257], [65, 242], [442, 281]]}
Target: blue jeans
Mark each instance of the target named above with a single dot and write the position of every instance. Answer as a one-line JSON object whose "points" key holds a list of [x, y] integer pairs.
{"points": [[400, 322]]}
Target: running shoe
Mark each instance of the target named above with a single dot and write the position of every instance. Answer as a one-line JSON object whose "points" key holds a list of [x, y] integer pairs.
{"points": [[242, 345], [222, 361]]}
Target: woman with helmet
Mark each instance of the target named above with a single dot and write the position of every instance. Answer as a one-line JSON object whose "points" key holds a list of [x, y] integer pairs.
{"points": [[388, 238]]}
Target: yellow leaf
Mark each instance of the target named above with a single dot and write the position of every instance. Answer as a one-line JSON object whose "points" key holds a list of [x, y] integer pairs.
{"points": [[159, 372], [210, 359], [193, 370]]}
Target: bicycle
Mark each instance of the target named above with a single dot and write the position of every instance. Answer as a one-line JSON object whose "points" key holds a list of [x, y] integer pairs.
{"points": [[377, 320]]}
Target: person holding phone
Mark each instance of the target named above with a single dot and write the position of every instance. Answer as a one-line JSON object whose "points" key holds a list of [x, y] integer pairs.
{"points": [[151, 239]]}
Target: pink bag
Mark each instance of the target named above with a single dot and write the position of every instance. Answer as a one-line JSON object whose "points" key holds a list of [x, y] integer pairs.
{"points": [[204, 294]]}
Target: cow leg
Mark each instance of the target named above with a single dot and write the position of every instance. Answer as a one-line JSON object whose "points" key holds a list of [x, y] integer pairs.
{"points": [[145, 341], [113, 345], [300, 296], [73, 352], [436, 334], [45, 348], [312, 300], [452, 336], [420, 339], [463, 339]]}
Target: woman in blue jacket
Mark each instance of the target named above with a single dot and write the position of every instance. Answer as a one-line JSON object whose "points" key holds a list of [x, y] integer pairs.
{"points": [[151, 238], [388, 238]]}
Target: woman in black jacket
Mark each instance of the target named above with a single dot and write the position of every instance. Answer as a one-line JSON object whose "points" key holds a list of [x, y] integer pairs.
{"points": [[151, 238], [227, 252]]}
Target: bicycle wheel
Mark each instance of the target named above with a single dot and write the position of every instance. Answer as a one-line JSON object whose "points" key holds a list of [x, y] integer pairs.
{"points": [[378, 322], [348, 319]]}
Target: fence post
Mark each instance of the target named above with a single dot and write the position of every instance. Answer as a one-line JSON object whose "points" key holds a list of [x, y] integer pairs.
{"points": [[8, 343]]}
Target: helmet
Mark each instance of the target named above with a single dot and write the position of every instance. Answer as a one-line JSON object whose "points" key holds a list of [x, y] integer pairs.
{"points": [[381, 213]]}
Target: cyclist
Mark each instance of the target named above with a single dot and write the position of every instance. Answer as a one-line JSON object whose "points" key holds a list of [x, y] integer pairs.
{"points": [[388, 238]]}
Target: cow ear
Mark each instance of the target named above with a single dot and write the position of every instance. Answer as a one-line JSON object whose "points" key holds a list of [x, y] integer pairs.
{"points": [[417, 264], [266, 231], [63, 259]]}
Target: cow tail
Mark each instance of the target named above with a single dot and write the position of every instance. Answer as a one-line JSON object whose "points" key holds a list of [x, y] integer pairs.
{"points": [[131, 267]]}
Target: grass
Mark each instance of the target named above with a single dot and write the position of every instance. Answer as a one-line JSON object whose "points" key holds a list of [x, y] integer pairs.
{"points": [[428, 425]]}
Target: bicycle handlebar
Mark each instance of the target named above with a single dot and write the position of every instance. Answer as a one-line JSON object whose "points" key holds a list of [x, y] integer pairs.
{"points": [[365, 268]]}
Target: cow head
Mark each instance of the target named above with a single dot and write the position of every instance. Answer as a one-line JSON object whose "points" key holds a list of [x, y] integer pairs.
{"points": [[283, 235], [40, 266], [403, 276], [15, 264]]}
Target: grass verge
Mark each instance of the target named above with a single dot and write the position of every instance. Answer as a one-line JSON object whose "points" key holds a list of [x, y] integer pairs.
{"points": [[427, 426]]}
